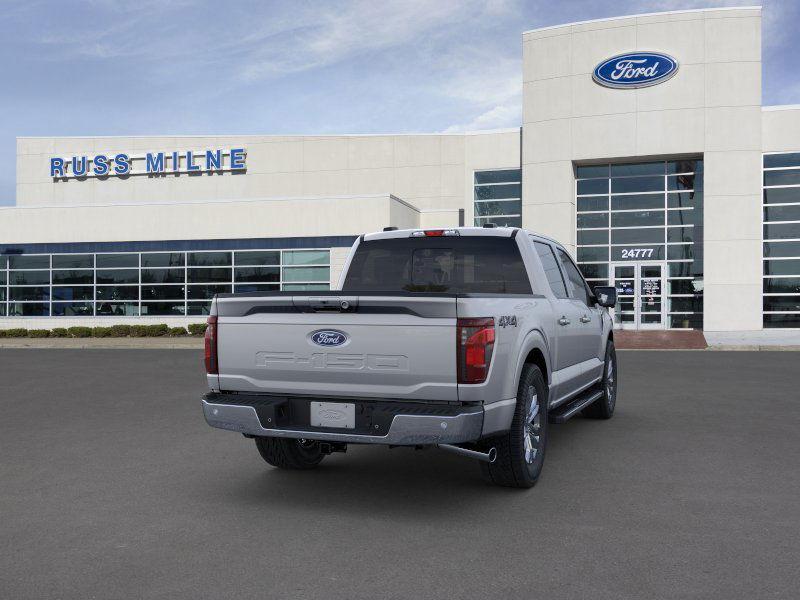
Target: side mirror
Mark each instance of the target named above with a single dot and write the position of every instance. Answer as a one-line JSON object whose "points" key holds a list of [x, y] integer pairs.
{"points": [[606, 295]]}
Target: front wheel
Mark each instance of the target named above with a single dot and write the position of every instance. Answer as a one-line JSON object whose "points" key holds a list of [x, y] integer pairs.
{"points": [[603, 407], [289, 454], [520, 451]]}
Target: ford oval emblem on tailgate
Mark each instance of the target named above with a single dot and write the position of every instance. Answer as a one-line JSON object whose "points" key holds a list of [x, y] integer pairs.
{"points": [[328, 337]]}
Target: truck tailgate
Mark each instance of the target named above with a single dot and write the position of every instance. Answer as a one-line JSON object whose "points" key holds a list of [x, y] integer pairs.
{"points": [[382, 346]]}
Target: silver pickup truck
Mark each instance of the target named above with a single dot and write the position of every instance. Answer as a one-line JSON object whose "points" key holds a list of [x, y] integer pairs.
{"points": [[467, 339]]}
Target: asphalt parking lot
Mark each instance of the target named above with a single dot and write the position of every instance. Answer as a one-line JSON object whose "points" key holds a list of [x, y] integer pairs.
{"points": [[112, 486]]}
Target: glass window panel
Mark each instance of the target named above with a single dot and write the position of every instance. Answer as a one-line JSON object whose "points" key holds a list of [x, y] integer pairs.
{"points": [[73, 277], [685, 321], [597, 254], [638, 252], [594, 271], [684, 286], [2, 294], [637, 236], [73, 261], [684, 166], [782, 249], [209, 259], [680, 269], [73, 309], [593, 220], [782, 267], [29, 293], [306, 257], [118, 276], [782, 303], [257, 274], [636, 184], [29, 262], [117, 309], [788, 177], [163, 275], [782, 213], [594, 203], [306, 274], [684, 199], [245, 288], [28, 309], [648, 168], [507, 207], [551, 269], [684, 182], [593, 236], [587, 171], [499, 221], [209, 275], [162, 309], [789, 159], [3, 262], [680, 252], [2, 310], [257, 258], [83, 292], [198, 308], [782, 285], [29, 277], [592, 186], [162, 292], [494, 192], [499, 176], [782, 231], [637, 202], [782, 195], [305, 287], [2, 277], [113, 261], [694, 304], [787, 320], [117, 292], [163, 259], [637, 219], [680, 234], [683, 217], [206, 292]]}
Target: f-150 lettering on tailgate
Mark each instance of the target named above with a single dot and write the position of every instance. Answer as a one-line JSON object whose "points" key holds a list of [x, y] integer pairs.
{"points": [[331, 360]]}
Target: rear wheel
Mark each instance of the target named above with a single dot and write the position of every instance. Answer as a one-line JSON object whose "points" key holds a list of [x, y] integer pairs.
{"points": [[288, 453], [603, 407], [520, 451]]}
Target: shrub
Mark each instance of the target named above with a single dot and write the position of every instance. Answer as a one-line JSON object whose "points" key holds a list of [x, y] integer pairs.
{"points": [[80, 332], [101, 332], [2, 333], [59, 332], [176, 331], [138, 330], [197, 328], [38, 333], [17, 332], [157, 330], [120, 330]]}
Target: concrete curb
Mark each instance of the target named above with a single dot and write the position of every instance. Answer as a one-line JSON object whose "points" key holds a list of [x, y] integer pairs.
{"points": [[166, 343]]}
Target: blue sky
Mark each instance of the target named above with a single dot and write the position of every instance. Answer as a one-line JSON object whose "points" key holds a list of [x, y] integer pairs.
{"points": [[151, 67]]}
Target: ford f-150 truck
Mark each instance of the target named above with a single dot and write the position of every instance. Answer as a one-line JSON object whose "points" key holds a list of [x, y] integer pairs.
{"points": [[469, 339]]}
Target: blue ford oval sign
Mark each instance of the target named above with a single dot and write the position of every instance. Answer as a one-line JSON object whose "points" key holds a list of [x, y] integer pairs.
{"points": [[635, 70], [329, 337]]}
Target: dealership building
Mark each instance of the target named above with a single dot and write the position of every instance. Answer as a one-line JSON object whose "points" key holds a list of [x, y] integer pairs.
{"points": [[644, 148]]}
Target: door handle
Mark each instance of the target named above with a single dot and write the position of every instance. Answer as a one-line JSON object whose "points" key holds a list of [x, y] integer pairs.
{"points": [[586, 319], [563, 321]]}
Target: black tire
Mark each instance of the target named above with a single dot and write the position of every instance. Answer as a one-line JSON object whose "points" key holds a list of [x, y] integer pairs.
{"points": [[516, 466], [603, 407], [289, 454]]}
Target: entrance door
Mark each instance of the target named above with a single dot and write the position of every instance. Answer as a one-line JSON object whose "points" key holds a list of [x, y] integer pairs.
{"points": [[640, 295]]}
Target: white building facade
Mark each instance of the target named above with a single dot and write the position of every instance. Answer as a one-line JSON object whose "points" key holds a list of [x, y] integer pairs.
{"points": [[674, 184]]}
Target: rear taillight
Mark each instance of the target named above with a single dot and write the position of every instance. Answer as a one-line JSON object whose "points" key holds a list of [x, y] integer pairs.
{"points": [[212, 365], [475, 341]]}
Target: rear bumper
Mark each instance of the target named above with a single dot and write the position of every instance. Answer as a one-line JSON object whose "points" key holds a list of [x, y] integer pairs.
{"points": [[379, 422]]}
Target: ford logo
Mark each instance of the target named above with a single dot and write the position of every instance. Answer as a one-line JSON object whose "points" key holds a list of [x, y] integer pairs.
{"points": [[635, 70], [329, 337]]}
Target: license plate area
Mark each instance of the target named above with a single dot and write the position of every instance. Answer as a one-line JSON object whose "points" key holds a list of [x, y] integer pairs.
{"points": [[339, 415]]}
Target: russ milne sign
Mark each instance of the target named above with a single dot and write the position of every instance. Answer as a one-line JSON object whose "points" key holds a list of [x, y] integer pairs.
{"points": [[635, 70], [151, 163]]}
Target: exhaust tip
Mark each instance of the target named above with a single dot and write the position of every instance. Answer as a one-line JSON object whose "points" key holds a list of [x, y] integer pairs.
{"points": [[492, 455]]}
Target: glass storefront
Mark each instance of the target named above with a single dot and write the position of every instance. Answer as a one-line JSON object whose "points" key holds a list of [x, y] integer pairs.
{"points": [[781, 279], [498, 197], [129, 284], [640, 227]]}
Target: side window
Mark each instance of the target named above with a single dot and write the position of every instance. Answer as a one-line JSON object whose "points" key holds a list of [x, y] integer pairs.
{"points": [[576, 281], [551, 269]]}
